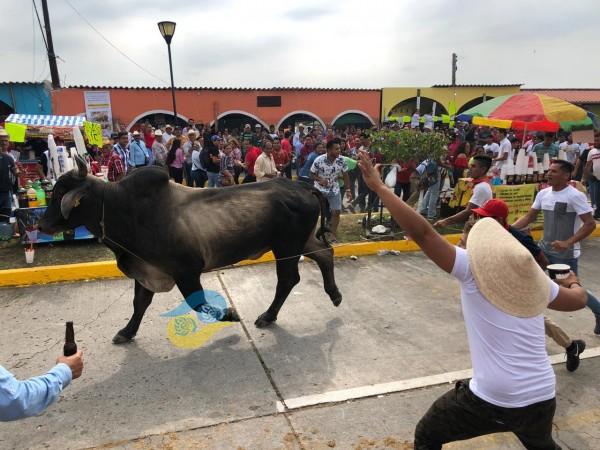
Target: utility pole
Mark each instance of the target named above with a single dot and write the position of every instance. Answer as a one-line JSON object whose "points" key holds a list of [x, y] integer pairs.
{"points": [[454, 59], [51, 55]]}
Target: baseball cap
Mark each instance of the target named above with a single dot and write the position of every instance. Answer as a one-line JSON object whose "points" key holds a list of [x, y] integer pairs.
{"points": [[216, 138], [258, 125], [493, 208]]}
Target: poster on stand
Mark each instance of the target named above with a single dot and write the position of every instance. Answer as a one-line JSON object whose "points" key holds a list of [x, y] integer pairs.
{"points": [[98, 109]]}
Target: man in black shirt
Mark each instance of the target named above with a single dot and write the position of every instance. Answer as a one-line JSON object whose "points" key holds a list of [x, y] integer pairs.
{"points": [[211, 160], [498, 210], [8, 173]]}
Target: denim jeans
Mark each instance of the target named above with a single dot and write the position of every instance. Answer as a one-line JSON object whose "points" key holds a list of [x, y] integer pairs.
{"points": [[592, 301], [213, 179], [429, 205], [594, 190]]}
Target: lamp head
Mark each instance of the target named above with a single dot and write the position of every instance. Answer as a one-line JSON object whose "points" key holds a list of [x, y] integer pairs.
{"points": [[167, 30]]}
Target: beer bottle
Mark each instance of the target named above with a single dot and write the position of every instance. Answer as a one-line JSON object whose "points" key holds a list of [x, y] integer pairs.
{"points": [[70, 347]]}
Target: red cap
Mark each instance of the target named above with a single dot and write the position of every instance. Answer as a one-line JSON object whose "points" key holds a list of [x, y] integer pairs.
{"points": [[493, 208]]}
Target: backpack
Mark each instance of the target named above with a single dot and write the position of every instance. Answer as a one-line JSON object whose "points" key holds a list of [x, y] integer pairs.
{"points": [[429, 176]]}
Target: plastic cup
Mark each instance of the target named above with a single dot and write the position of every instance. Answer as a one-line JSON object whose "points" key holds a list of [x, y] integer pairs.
{"points": [[559, 271], [29, 256]]}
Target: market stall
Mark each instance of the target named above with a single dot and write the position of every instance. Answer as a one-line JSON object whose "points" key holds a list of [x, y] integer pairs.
{"points": [[37, 176]]}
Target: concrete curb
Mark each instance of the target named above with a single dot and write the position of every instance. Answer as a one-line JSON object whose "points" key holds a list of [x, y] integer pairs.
{"points": [[108, 269]]}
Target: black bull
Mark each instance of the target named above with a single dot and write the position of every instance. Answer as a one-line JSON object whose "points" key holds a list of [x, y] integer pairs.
{"points": [[164, 234]]}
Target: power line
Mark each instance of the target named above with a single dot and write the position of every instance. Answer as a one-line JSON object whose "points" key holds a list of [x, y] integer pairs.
{"points": [[110, 43], [40, 24]]}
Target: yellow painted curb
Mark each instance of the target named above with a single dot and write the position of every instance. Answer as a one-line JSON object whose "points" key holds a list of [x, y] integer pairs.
{"points": [[109, 269]]}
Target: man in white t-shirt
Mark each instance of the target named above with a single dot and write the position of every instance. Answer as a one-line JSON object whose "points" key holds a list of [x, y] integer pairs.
{"points": [[591, 173], [570, 148], [482, 191], [505, 151], [567, 221], [491, 147], [513, 384], [415, 120]]}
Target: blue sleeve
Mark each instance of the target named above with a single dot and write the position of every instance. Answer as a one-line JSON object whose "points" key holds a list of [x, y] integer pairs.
{"points": [[20, 399]]}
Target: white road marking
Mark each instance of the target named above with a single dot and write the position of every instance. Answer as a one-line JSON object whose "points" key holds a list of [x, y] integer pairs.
{"points": [[398, 386]]}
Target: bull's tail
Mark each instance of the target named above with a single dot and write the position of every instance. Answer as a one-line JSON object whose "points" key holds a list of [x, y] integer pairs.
{"points": [[323, 205]]}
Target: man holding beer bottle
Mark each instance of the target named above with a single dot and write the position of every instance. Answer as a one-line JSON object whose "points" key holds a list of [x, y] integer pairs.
{"points": [[20, 399]]}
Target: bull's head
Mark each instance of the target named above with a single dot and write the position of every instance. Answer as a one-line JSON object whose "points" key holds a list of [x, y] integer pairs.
{"points": [[67, 209]]}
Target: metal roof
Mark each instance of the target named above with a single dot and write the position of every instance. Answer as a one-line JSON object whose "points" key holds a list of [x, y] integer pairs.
{"points": [[477, 85], [153, 88], [584, 96]]}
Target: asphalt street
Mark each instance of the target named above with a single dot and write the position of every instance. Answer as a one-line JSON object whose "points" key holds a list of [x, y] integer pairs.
{"points": [[354, 377]]}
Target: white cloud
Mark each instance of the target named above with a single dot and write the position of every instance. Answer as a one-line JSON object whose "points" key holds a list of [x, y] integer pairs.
{"points": [[316, 43]]}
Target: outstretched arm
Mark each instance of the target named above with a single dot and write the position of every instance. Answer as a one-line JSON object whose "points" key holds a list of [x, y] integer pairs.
{"points": [[433, 244]]}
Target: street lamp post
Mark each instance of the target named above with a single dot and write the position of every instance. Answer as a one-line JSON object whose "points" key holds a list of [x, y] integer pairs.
{"points": [[167, 29]]}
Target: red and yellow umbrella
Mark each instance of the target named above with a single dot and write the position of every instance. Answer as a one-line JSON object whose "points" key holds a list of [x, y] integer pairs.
{"points": [[528, 110]]}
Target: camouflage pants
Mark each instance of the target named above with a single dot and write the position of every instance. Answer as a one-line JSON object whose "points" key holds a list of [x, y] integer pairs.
{"points": [[460, 414]]}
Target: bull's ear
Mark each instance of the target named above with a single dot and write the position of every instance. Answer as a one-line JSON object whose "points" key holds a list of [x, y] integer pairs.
{"points": [[71, 200]]}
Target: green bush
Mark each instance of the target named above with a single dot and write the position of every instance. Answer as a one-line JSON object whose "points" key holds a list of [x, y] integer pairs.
{"points": [[405, 144]]}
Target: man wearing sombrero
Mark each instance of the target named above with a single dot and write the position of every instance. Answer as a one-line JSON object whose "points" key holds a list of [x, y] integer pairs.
{"points": [[503, 295]]}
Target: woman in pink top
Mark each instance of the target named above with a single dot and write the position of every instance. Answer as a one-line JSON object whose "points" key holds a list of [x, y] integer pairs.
{"points": [[175, 160]]}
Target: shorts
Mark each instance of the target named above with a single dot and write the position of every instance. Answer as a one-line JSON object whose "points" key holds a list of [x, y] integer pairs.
{"points": [[335, 200]]}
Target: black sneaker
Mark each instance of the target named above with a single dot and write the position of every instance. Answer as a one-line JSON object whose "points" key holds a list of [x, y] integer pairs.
{"points": [[573, 351], [597, 329]]}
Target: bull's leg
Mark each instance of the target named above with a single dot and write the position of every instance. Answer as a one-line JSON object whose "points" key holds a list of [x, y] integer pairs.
{"points": [[287, 278], [188, 284], [141, 301], [322, 254]]}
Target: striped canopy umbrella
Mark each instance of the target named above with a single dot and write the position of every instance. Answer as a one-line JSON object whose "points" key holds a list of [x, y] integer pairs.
{"points": [[527, 110]]}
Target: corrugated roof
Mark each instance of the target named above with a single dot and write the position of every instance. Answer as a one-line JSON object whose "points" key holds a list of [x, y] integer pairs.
{"points": [[585, 96], [31, 83], [153, 88], [477, 85]]}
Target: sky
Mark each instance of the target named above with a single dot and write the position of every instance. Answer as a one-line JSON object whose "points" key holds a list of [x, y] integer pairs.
{"points": [[331, 44]]}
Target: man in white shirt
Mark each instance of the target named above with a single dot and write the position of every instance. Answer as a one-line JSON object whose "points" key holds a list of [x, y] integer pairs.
{"points": [[513, 385], [265, 168], [482, 191], [491, 147], [505, 151], [591, 173], [415, 120], [167, 135], [567, 221], [428, 122], [570, 148]]}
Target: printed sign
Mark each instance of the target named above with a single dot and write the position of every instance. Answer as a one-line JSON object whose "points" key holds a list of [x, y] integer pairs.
{"points": [[98, 109], [93, 133]]}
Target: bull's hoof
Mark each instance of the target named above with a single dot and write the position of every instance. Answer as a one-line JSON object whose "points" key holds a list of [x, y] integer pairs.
{"points": [[264, 320], [121, 339], [231, 316], [336, 300]]}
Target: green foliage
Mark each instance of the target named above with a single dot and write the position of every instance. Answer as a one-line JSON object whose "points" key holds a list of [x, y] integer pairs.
{"points": [[407, 144]]}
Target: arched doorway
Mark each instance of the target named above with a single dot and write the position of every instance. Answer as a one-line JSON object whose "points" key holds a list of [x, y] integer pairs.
{"points": [[354, 118], [5, 111], [472, 103], [407, 107], [158, 118], [235, 121], [293, 119]]}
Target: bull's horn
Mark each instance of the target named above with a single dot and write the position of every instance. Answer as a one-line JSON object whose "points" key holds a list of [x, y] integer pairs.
{"points": [[80, 171]]}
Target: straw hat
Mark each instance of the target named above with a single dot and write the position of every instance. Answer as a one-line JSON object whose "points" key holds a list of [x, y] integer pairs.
{"points": [[505, 272]]}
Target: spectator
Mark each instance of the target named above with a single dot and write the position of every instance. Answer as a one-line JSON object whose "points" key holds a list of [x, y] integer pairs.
{"points": [[167, 135], [252, 154], [298, 142], [461, 161], [430, 180], [199, 176], [8, 174], [21, 399], [491, 147], [247, 134], [505, 151], [325, 172], [211, 161], [570, 148], [138, 153], [306, 150], [257, 135], [592, 177], [149, 136], [175, 161], [286, 146], [238, 165], [304, 173], [567, 221], [283, 159], [482, 191], [405, 170], [191, 126], [265, 168], [159, 150], [122, 149], [188, 148], [227, 166], [547, 146]]}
